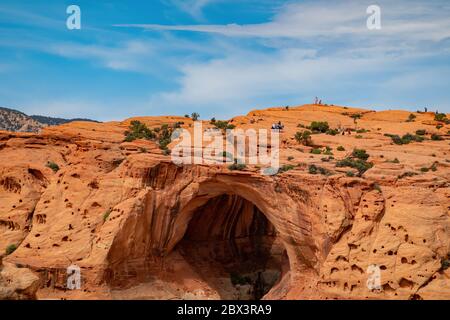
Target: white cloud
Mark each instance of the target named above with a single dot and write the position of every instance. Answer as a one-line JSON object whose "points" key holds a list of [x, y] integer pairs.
{"points": [[125, 57], [343, 57], [410, 19]]}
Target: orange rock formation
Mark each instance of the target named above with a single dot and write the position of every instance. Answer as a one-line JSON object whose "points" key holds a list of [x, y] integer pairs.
{"points": [[139, 226]]}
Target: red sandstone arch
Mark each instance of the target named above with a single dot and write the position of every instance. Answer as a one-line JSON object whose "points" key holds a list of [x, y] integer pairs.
{"points": [[162, 218]]}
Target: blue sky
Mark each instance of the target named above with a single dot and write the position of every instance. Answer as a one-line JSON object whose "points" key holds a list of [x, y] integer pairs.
{"points": [[221, 57]]}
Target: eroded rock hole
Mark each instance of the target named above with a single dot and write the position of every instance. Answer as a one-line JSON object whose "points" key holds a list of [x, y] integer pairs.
{"points": [[235, 249]]}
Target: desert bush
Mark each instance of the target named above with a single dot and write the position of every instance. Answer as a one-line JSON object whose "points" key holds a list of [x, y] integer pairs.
{"points": [[340, 148], [285, 168], [290, 158], [313, 169], [349, 174], [332, 132], [445, 262], [138, 130], [405, 139], [394, 161], [440, 117], [10, 249], [106, 215], [52, 165], [195, 116], [436, 137], [237, 166], [224, 125], [407, 174], [358, 164], [319, 126], [433, 167], [316, 151], [303, 137], [360, 154], [421, 132]]}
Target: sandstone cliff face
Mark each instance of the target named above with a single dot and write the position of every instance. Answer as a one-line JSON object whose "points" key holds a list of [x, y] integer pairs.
{"points": [[140, 226]]}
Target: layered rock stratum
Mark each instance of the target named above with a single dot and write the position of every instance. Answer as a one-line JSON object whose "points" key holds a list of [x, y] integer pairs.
{"points": [[139, 226]]}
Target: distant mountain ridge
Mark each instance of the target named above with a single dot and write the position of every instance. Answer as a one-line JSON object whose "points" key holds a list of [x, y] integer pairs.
{"points": [[57, 121], [17, 121]]}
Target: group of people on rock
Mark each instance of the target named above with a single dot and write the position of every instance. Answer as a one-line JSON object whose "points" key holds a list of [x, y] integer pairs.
{"points": [[318, 101], [278, 126]]}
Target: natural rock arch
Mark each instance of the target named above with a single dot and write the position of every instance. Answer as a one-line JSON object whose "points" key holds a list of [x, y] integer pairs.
{"points": [[163, 218]]}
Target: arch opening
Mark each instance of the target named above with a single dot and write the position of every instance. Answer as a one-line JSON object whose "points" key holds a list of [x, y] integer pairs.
{"points": [[234, 248]]}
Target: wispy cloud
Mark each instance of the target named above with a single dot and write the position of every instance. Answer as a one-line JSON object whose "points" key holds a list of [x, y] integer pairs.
{"points": [[408, 19], [193, 7], [124, 57], [327, 51]]}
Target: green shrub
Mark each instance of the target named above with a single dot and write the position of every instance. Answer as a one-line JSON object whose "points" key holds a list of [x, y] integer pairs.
{"points": [[421, 132], [424, 169], [319, 126], [164, 137], [350, 174], [440, 117], [195, 116], [394, 161], [445, 262], [285, 168], [52, 166], [332, 132], [436, 137], [362, 131], [360, 154], [358, 164], [316, 151], [237, 166], [106, 215], [359, 136], [313, 169], [303, 137], [405, 139], [138, 130], [340, 148], [224, 125], [10, 249], [407, 174], [213, 120]]}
